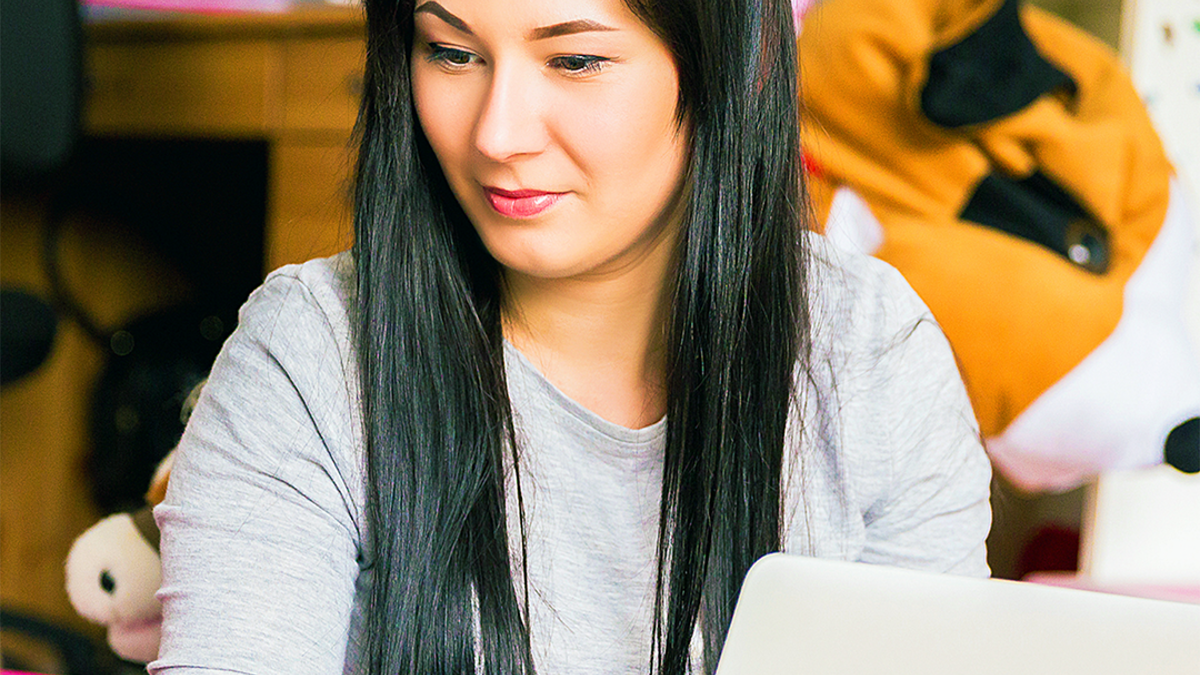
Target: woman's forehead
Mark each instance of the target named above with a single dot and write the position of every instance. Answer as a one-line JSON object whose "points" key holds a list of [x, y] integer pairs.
{"points": [[534, 19]]}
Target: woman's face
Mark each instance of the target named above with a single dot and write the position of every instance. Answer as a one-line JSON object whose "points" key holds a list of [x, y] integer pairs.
{"points": [[555, 124]]}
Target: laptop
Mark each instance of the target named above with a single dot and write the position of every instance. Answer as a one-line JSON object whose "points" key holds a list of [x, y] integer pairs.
{"points": [[820, 617]]}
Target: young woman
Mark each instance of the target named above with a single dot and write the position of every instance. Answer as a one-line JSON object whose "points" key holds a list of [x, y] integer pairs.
{"points": [[581, 369]]}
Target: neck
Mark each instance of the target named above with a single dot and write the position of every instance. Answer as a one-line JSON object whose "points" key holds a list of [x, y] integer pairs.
{"points": [[599, 339]]}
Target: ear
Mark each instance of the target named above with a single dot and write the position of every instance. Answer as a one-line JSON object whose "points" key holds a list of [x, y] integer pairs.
{"points": [[158, 484]]}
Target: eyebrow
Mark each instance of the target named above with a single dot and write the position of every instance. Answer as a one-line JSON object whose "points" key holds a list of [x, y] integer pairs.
{"points": [[443, 14], [542, 33], [567, 28]]}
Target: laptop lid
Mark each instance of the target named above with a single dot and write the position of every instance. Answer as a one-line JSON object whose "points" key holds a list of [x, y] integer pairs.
{"points": [[819, 617]]}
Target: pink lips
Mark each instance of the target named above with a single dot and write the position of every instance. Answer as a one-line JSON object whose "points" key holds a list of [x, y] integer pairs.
{"points": [[521, 203]]}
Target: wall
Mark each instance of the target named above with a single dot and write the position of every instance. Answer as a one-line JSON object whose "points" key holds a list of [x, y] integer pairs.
{"points": [[1101, 18]]}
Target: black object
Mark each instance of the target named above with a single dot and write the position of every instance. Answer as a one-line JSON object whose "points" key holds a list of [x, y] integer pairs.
{"points": [[27, 329], [77, 654], [136, 416], [1037, 209], [41, 66], [993, 72], [198, 202], [40, 83], [1182, 449]]}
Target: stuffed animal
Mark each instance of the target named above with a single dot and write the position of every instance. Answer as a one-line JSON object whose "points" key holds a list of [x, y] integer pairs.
{"points": [[113, 570], [1001, 160], [112, 577]]}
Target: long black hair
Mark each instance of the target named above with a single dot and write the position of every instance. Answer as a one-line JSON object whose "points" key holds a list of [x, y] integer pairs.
{"points": [[437, 418]]}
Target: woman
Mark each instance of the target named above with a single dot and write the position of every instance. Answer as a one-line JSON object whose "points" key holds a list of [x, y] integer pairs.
{"points": [[579, 373]]}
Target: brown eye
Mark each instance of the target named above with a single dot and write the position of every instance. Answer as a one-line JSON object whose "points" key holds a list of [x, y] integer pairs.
{"points": [[578, 64], [450, 57]]}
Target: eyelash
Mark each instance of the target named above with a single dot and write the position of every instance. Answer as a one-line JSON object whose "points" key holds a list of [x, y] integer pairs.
{"points": [[574, 65], [579, 64], [442, 55]]}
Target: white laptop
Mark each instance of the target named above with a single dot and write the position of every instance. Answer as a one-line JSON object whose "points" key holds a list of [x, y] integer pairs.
{"points": [[820, 617]]}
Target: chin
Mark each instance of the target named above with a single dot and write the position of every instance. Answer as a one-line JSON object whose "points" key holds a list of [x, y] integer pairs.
{"points": [[527, 249], [540, 266]]}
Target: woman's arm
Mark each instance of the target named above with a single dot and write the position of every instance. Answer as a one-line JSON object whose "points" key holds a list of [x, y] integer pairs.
{"points": [[260, 527], [934, 511]]}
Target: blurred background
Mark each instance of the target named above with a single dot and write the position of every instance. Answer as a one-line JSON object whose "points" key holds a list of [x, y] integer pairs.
{"points": [[173, 159], [156, 165]]}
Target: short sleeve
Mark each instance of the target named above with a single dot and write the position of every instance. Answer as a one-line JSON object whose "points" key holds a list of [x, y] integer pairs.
{"points": [[261, 527], [933, 510]]}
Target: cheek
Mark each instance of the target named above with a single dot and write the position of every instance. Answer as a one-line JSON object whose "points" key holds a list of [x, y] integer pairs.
{"points": [[443, 115], [628, 143]]}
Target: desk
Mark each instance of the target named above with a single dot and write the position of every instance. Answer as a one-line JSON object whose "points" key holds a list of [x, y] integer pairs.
{"points": [[291, 79]]}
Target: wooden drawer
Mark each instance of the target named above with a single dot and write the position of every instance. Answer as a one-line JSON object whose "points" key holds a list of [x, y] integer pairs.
{"points": [[183, 88], [322, 84], [310, 211]]}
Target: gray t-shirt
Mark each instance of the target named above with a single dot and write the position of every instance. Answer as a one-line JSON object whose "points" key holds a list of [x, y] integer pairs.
{"points": [[263, 528]]}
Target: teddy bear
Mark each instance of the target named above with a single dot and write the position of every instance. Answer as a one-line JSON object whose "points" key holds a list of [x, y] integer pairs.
{"points": [[113, 570], [112, 575], [1003, 162]]}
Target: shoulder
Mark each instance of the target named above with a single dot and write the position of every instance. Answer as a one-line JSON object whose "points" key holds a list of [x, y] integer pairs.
{"points": [[324, 287], [289, 369], [890, 447], [263, 523], [870, 338], [859, 300], [301, 315], [295, 341], [282, 394], [884, 355], [293, 345]]}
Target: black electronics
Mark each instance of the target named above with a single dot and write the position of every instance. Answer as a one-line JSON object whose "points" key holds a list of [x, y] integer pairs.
{"points": [[40, 83], [154, 363], [27, 328]]}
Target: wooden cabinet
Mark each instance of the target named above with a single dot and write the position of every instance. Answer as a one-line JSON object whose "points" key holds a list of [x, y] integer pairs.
{"points": [[309, 216], [311, 159], [192, 88], [291, 79], [322, 84]]}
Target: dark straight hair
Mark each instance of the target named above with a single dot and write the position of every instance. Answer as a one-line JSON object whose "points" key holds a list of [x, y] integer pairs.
{"points": [[437, 419]]}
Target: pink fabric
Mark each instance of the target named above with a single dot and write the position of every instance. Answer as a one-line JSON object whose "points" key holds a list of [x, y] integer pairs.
{"points": [[799, 8], [216, 6], [1190, 594]]}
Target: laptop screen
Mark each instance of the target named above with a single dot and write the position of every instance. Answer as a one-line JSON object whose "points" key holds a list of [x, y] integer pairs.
{"points": [[820, 617]]}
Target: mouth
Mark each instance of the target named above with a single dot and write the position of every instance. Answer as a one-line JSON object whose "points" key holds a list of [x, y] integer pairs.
{"points": [[521, 203]]}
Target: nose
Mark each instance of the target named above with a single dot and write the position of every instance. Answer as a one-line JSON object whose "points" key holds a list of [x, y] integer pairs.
{"points": [[510, 122]]}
